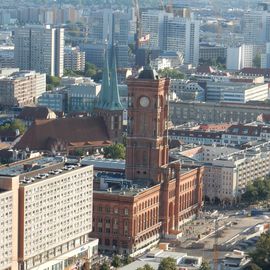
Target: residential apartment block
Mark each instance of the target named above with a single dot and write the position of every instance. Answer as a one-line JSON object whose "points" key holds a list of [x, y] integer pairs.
{"points": [[50, 214], [21, 88], [227, 170], [74, 59], [40, 48], [227, 176]]}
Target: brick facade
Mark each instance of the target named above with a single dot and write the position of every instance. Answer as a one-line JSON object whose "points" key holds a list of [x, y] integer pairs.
{"points": [[128, 221]]}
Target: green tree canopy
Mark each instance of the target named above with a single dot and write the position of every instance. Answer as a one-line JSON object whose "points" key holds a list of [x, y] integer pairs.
{"points": [[257, 61], [167, 264], [52, 81], [15, 124], [127, 260], [171, 73], [146, 267], [261, 255], [205, 266], [259, 190], [116, 261], [18, 124], [105, 266], [115, 151]]}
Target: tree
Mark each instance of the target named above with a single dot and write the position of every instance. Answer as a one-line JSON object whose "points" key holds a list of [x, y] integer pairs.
{"points": [[146, 267], [171, 73], [167, 264], [115, 151], [18, 124], [205, 266], [127, 260], [90, 70], [52, 81], [261, 255], [105, 266], [259, 190], [257, 61], [116, 261]]}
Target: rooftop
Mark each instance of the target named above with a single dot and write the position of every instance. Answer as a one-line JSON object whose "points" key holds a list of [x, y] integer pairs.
{"points": [[38, 169], [16, 169]]}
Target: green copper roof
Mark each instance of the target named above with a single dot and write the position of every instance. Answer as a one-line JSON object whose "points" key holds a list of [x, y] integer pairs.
{"points": [[109, 98], [103, 99]]}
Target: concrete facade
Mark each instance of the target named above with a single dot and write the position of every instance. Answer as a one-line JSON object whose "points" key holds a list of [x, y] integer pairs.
{"points": [[51, 214], [210, 112], [22, 88]]}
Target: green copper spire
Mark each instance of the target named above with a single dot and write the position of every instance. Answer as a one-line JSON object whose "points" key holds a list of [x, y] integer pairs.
{"points": [[104, 95], [115, 103]]}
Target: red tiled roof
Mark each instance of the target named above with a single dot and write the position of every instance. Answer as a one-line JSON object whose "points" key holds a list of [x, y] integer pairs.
{"points": [[203, 69], [75, 132], [256, 71]]}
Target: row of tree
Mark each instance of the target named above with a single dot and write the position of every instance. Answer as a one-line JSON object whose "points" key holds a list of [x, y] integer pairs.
{"points": [[166, 264], [90, 71], [259, 190]]}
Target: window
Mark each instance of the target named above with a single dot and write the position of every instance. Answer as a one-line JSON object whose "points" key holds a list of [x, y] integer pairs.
{"points": [[126, 211]]}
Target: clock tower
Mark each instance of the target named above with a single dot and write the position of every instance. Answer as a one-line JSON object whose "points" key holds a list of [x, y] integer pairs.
{"points": [[147, 142]]}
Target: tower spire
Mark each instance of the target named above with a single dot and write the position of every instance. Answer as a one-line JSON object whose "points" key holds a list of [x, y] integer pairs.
{"points": [[115, 103], [104, 94]]}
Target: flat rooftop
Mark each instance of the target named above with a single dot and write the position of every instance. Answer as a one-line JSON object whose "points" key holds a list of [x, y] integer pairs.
{"points": [[16, 169], [105, 163], [117, 184], [39, 169]]}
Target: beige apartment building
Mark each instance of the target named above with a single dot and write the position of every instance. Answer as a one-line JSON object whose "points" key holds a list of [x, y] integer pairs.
{"points": [[227, 176], [49, 216], [74, 59], [21, 88]]}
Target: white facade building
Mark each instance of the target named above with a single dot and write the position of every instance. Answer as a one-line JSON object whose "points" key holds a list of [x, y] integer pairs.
{"points": [[237, 92], [53, 214], [153, 24], [240, 57]]}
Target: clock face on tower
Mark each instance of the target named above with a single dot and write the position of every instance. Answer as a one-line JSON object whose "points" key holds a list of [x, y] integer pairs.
{"points": [[144, 101]]}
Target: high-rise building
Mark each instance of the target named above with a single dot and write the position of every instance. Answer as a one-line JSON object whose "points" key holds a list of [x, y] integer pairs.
{"points": [[40, 48], [47, 208], [74, 59], [152, 23], [265, 57], [21, 88], [107, 27], [171, 33], [240, 57], [256, 24], [182, 35]]}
